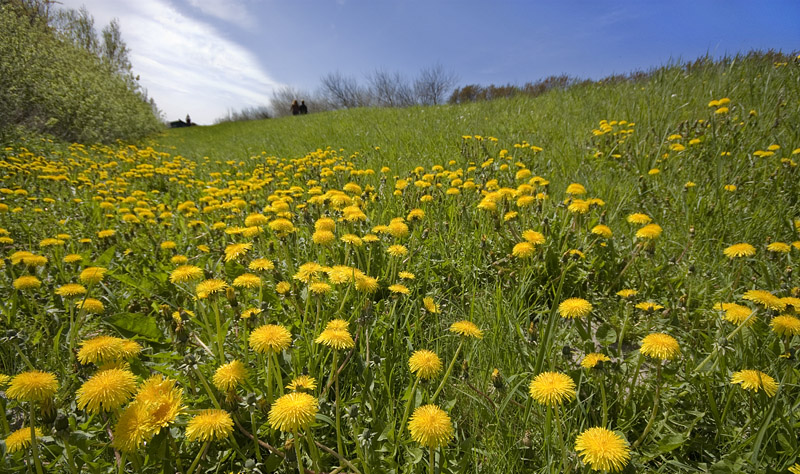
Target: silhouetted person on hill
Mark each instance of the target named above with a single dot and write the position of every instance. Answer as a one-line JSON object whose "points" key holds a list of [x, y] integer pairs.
{"points": [[188, 120], [303, 107], [295, 108]]}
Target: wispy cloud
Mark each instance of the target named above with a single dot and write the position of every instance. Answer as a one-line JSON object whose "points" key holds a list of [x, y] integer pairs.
{"points": [[184, 63], [232, 11]]}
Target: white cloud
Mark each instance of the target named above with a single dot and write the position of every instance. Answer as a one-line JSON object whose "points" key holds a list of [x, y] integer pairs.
{"points": [[228, 10], [186, 65]]}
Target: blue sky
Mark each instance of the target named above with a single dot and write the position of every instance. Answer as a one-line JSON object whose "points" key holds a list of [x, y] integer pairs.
{"points": [[205, 57]]}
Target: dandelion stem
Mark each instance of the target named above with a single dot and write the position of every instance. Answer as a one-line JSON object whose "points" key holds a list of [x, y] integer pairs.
{"points": [[433, 456], [408, 404], [633, 383], [208, 389], [220, 334], [255, 434], [297, 452], [564, 467], [34, 443], [605, 404], [338, 407], [68, 455], [197, 459], [449, 370]]}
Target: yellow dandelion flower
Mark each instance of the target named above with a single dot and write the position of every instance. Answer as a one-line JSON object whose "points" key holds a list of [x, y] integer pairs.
{"points": [[27, 282], [209, 425], [779, 247], [247, 280], [430, 426], [325, 223], [32, 386], [602, 449], [70, 290], [20, 439], [426, 364], [302, 382], [795, 468], [283, 287], [602, 230], [133, 428], [576, 189], [234, 251], [533, 237], [552, 388], [627, 293], [639, 219], [337, 325], [466, 328], [736, 313], [649, 232], [250, 312], [765, 299], [336, 339], [592, 359], [227, 377], [168, 245], [430, 305], [186, 273], [308, 271], [293, 412], [163, 400], [406, 275], [104, 234], [100, 349], [92, 275], [574, 308], [739, 250], [352, 239], [270, 338], [261, 264], [399, 289], [323, 237], [648, 306], [397, 250], [319, 288], [785, 325], [660, 346], [755, 380], [366, 284], [523, 250], [210, 287], [73, 258], [107, 390]]}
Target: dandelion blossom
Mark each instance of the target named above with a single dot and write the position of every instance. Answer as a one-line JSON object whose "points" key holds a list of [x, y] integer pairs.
{"points": [[739, 250], [32, 386], [466, 328], [293, 412], [533, 237], [430, 305], [302, 382], [736, 313], [228, 376], [247, 280], [261, 264], [602, 449], [27, 282], [186, 273], [648, 306], [336, 339], [764, 298], [426, 364], [591, 360], [164, 401], [574, 308], [70, 290], [755, 380], [660, 346], [397, 250], [785, 325], [270, 338], [234, 251], [430, 426], [552, 388], [210, 287], [639, 219], [92, 275], [602, 230], [20, 439], [133, 428], [523, 250], [107, 390], [649, 232], [209, 425]]}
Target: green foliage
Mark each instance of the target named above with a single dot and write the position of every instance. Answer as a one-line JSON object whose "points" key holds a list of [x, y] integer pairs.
{"points": [[55, 87]]}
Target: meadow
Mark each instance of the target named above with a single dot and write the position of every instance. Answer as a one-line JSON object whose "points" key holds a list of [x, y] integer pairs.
{"points": [[599, 279]]}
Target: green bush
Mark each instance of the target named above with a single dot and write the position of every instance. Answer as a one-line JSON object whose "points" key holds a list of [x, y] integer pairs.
{"points": [[51, 86]]}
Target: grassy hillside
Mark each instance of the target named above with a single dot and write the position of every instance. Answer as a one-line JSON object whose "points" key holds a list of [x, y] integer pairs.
{"points": [[617, 255]]}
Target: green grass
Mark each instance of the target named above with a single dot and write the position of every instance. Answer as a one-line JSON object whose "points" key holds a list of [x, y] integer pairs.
{"points": [[461, 257]]}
